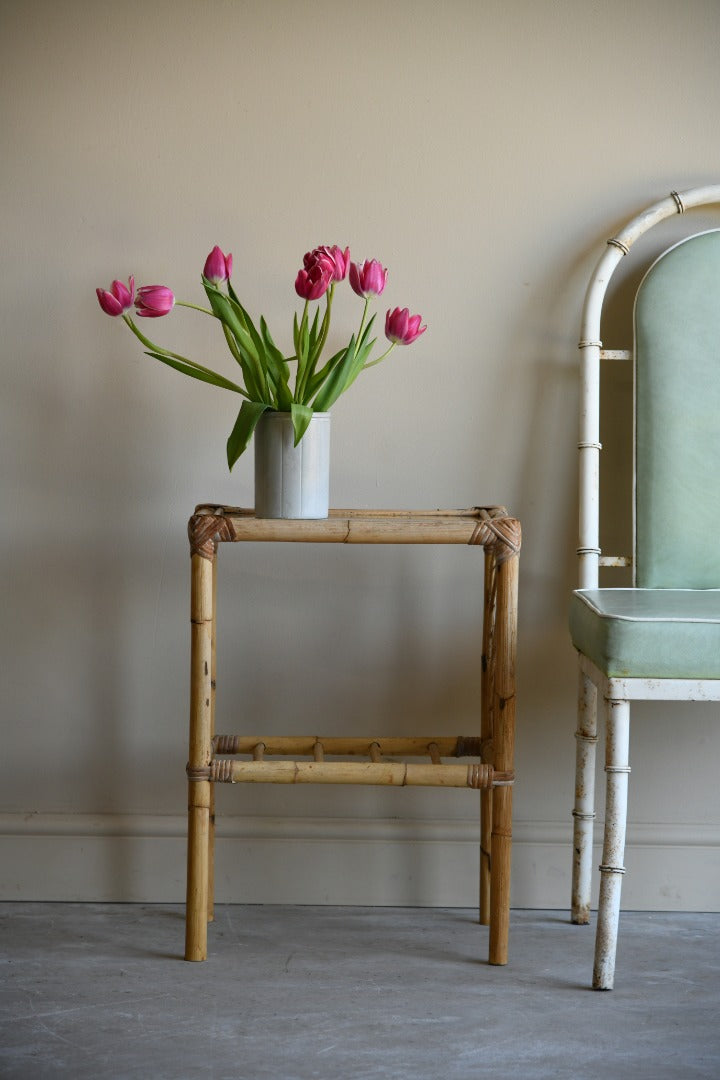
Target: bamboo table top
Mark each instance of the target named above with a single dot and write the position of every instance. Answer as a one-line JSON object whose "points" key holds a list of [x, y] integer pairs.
{"points": [[211, 524]]}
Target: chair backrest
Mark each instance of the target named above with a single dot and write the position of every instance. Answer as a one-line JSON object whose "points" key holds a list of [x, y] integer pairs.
{"points": [[678, 396], [677, 418]]}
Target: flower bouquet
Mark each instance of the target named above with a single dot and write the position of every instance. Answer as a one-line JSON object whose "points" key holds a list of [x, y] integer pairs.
{"points": [[299, 384]]}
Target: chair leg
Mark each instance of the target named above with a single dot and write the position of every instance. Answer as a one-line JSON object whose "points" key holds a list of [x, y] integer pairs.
{"points": [[584, 811], [612, 869]]}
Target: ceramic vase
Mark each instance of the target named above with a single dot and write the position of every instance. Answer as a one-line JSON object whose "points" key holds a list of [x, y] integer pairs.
{"points": [[292, 481]]}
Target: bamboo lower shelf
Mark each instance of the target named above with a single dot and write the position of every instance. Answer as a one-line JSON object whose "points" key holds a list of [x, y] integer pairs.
{"points": [[412, 762]]}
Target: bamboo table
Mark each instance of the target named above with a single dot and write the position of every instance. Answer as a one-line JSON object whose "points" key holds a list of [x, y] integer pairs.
{"points": [[234, 759]]}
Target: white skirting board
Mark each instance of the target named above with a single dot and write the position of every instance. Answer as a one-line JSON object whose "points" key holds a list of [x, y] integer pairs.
{"points": [[141, 858]]}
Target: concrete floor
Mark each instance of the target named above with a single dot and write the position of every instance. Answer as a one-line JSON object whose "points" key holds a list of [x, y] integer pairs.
{"points": [[91, 991]]}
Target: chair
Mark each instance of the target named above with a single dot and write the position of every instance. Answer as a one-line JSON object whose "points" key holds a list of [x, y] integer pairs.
{"points": [[659, 639]]}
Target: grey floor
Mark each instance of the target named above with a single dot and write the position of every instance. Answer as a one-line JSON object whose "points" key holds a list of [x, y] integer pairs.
{"points": [[293, 993]]}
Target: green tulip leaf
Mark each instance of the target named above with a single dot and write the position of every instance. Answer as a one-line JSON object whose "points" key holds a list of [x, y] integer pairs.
{"points": [[314, 330], [196, 371], [242, 432], [301, 417], [278, 368], [366, 333], [296, 334], [319, 377], [336, 380], [233, 295], [233, 316], [359, 364]]}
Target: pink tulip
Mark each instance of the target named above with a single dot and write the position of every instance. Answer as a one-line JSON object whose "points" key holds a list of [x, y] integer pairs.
{"points": [[154, 301], [319, 257], [334, 256], [218, 267], [119, 299], [402, 328], [368, 278], [314, 281]]}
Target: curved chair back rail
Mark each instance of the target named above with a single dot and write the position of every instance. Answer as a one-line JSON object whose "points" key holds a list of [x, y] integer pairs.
{"points": [[590, 345]]}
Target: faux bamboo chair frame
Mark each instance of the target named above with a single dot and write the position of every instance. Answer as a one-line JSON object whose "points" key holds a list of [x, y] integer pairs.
{"points": [[615, 693], [213, 758]]}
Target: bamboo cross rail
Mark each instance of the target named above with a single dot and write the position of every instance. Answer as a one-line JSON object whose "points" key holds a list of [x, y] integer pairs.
{"points": [[305, 746], [379, 770], [275, 759], [396, 773]]}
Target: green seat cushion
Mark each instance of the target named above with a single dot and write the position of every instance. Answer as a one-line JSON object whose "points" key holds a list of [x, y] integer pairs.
{"points": [[649, 633]]}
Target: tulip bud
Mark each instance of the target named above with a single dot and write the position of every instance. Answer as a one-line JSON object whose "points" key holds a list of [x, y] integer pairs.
{"points": [[402, 328], [154, 301], [218, 267], [314, 281], [368, 278], [119, 299]]}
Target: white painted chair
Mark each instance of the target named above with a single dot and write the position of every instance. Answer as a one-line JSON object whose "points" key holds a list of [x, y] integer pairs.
{"points": [[660, 639]]}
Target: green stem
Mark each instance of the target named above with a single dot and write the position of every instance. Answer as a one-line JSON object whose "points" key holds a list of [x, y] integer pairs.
{"points": [[196, 307], [305, 318], [232, 346], [386, 353], [302, 357], [325, 323], [158, 348], [301, 385], [141, 337], [362, 321]]}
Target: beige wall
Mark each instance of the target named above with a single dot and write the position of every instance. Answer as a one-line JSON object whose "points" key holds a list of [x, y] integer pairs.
{"points": [[483, 151]]}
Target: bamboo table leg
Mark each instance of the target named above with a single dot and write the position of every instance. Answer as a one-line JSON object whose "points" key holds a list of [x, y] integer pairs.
{"points": [[199, 790], [486, 804], [486, 731], [503, 755], [213, 678]]}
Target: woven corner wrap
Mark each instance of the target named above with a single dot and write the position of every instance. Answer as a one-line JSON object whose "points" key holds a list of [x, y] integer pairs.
{"points": [[500, 535], [480, 776], [196, 773], [205, 529], [225, 744], [468, 746], [217, 772], [484, 776]]}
